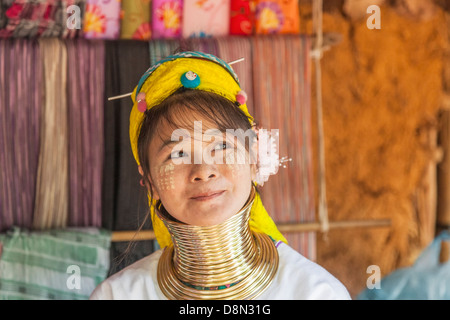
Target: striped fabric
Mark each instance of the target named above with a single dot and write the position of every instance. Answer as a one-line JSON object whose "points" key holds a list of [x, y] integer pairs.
{"points": [[85, 103], [21, 102], [159, 49], [231, 49], [282, 86], [51, 119], [54, 265]]}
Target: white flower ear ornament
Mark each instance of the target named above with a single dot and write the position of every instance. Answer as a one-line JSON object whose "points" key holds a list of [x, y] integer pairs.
{"points": [[268, 160]]}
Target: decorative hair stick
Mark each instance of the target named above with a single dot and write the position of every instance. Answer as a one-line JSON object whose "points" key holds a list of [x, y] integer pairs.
{"points": [[130, 93], [236, 61], [121, 96]]}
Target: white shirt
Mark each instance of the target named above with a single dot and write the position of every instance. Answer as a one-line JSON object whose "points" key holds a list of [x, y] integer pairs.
{"points": [[297, 278]]}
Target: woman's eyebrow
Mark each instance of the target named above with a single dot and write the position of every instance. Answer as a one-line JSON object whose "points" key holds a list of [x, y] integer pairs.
{"points": [[167, 143]]}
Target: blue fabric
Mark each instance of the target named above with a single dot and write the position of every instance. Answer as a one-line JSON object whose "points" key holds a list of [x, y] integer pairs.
{"points": [[426, 279]]}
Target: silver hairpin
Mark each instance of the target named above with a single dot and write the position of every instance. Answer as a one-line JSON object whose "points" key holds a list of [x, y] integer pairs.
{"points": [[130, 93]]}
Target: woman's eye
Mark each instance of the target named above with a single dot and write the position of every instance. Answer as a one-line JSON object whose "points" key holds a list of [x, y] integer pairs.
{"points": [[177, 154], [221, 146]]}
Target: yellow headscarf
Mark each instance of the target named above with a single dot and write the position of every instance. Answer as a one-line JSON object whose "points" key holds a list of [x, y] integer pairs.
{"points": [[199, 71]]}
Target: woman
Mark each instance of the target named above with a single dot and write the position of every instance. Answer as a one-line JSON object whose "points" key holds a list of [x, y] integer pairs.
{"points": [[193, 140]]}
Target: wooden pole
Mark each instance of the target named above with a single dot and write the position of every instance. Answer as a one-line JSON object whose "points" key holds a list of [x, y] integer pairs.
{"points": [[118, 236], [443, 205]]}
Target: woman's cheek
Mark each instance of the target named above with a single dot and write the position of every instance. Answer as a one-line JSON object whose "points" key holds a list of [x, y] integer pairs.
{"points": [[237, 164], [165, 177]]}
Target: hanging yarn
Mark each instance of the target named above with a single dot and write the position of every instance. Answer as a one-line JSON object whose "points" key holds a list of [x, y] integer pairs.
{"points": [[21, 99], [52, 187], [86, 139], [282, 102]]}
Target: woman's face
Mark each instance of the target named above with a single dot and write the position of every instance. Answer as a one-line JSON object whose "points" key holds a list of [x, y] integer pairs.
{"points": [[201, 176]]}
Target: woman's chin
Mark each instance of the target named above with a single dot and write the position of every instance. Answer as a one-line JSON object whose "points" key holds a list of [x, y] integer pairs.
{"points": [[210, 217]]}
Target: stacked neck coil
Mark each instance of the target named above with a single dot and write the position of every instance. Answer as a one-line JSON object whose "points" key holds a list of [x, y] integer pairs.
{"points": [[224, 261]]}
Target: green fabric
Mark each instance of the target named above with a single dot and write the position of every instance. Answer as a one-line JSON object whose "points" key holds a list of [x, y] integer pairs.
{"points": [[53, 265]]}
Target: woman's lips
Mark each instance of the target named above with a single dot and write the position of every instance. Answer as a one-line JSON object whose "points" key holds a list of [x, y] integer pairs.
{"points": [[207, 195]]}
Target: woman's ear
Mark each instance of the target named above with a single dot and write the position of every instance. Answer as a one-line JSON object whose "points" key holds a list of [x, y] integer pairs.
{"points": [[149, 184]]}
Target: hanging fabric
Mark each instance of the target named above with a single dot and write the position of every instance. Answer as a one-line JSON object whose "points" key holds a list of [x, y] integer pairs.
{"points": [[282, 83], [125, 204], [206, 45], [159, 49], [52, 187], [234, 48], [21, 103], [85, 98]]}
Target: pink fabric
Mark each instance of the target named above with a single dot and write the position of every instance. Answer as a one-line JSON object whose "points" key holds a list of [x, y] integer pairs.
{"points": [[21, 100], [204, 18], [102, 19], [86, 137], [166, 18]]}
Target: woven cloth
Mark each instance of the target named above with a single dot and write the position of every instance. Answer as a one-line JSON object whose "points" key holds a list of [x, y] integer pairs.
{"points": [[53, 265]]}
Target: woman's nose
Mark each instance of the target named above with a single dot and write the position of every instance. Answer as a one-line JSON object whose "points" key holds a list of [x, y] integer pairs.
{"points": [[203, 172]]}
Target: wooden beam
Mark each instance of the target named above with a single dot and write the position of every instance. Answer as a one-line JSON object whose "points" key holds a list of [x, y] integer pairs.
{"points": [[120, 236]]}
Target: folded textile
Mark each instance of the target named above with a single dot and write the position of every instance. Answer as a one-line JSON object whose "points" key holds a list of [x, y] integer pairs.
{"points": [[64, 264], [206, 18], [277, 17], [33, 18], [102, 19], [39, 18], [135, 20], [166, 18], [241, 17]]}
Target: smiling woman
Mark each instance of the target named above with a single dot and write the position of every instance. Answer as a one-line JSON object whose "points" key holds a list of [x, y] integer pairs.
{"points": [[218, 240], [206, 193]]}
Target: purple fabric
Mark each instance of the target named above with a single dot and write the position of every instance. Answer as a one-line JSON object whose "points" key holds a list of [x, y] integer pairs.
{"points": [[21, 97], [86, 139]]}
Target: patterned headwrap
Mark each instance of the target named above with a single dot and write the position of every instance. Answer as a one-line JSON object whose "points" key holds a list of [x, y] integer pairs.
{"points": [[198, 71]]}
